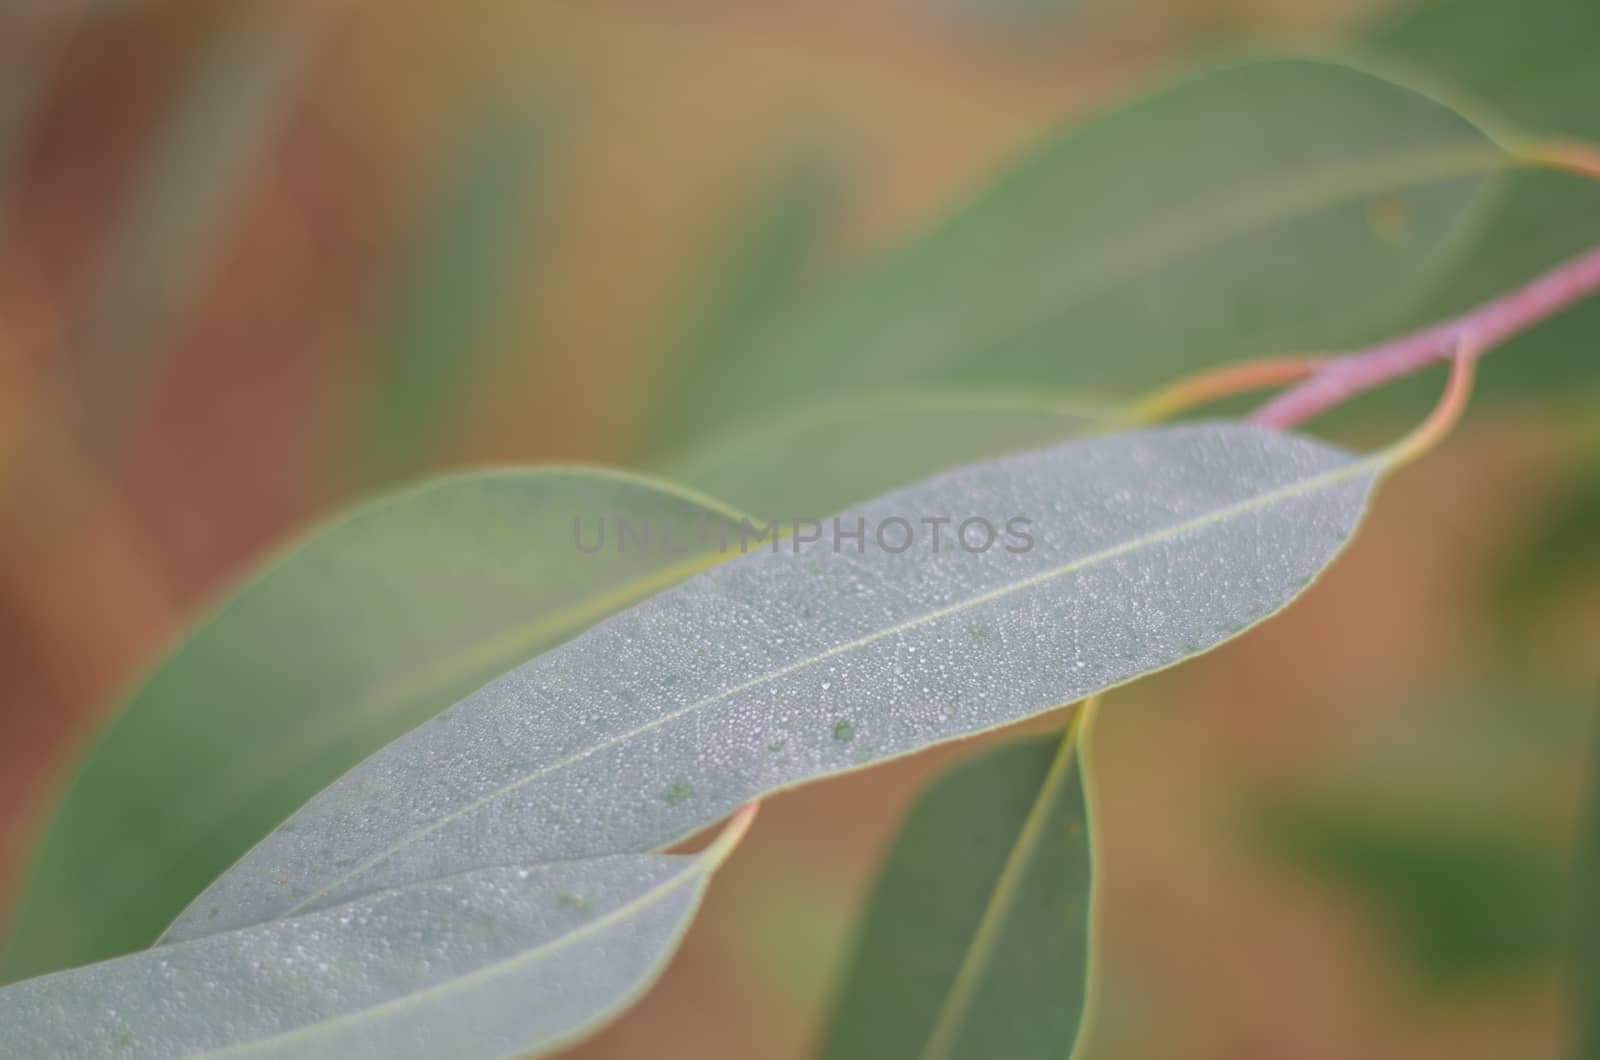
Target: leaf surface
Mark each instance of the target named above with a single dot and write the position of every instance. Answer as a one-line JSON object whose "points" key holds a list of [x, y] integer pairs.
{"points": [[488, 963], [369, 626], [1272, 206], [975, 941], [776, 667], [799, 661]]}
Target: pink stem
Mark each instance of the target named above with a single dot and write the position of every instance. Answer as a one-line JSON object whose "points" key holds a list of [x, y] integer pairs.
{"points": [[1481, 329]]}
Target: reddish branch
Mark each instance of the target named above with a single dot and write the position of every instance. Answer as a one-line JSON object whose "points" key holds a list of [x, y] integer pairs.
{"points": [[1475, 332]]}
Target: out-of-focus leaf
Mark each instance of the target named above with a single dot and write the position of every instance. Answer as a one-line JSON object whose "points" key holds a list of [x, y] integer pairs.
{"points": [[372, 624], [186, 188], [975, 942], [1537, 219], [760, 273], [1531, 62], [1563, 550], [1438, 822], [1466, 902], [839, 453], [501, 961], [448, 299], [1278, 205]]}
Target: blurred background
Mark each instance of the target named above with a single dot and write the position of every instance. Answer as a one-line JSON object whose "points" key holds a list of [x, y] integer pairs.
{"points": [[259, 260]]}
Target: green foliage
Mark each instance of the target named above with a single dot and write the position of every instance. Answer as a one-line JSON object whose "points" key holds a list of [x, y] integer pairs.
{"points": [[371, 625], [1272, 206], [1466, 903], [447, 301], [632, 735], [767, 262], [445, 966], [975, 940], [1532, 64]]}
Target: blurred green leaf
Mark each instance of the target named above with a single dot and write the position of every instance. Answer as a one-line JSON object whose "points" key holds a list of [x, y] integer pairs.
{"points": [[451, 294], [1466, 901], [1532, 62], [185, 190], [370, 625], [813, 461], [762, 270], [975, 941], [1278, 205], [1562, 551]]}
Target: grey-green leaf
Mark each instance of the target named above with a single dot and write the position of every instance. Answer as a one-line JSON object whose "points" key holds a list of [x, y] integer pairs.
{"points": [[790, 664], [372, 624], [975, 942], [778, 667], [489, 963]]}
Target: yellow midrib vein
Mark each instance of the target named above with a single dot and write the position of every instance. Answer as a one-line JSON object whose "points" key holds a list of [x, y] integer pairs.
{"points": [[701, 863], [1262, 500], [958, 998]]}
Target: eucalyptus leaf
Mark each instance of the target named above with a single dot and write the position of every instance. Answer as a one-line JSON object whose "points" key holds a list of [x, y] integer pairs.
{"points": [[373, 623], [1532, 63], [775, 245], [975, 941], [501, 961], [792, 663], [1265, 207], [800, 661]]}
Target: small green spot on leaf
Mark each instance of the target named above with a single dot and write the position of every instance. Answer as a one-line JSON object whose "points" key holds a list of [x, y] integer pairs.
{"points": [[678, 793], [577, 903], [844, 731]]}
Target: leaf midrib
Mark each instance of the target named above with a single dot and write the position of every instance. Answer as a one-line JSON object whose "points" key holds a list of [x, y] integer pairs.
{"points": [[701, 864], [1107, 261], [451, 669], [957, 999], [1305, 486]]}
